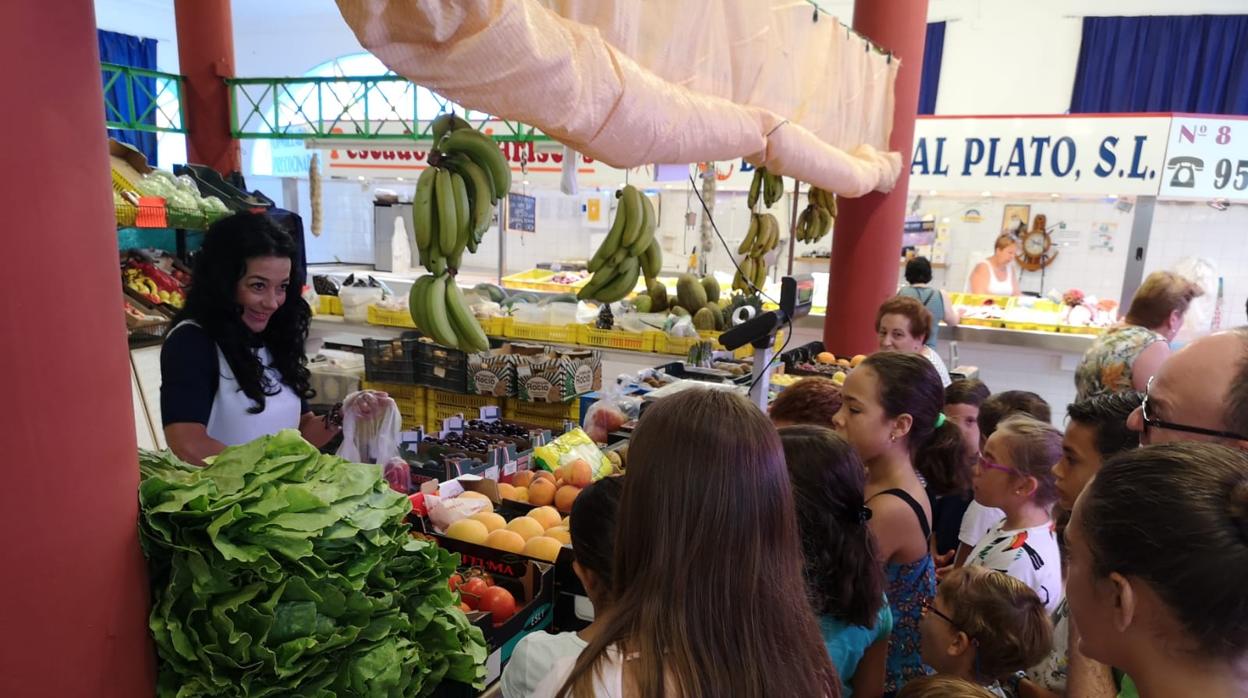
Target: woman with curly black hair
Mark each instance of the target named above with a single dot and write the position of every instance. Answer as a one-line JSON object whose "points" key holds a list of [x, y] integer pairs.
{"points": [[233, 367]]}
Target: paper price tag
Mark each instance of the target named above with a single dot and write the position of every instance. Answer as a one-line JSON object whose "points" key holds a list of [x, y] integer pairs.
{"points": [[450, 489], [509, 468]]}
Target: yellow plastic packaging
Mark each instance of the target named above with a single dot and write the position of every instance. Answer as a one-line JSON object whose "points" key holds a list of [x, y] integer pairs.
{"points": [[572, 446]]}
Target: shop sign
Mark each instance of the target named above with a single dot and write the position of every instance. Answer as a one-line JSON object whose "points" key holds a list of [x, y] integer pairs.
{"points": [[536, 161], [1062, 155], [1206, 158]]}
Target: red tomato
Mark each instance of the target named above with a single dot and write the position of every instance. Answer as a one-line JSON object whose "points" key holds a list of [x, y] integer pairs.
{"points": [[499, 603], [472, 590], [455, 581]]}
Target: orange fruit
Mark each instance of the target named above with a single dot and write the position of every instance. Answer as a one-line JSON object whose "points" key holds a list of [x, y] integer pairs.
{"points": [[522, 479], [826, 357], [565, 496], [477, 495], [506, 540], [580, 474], [468, 530], [547, 516], [857, 360], [544, 474], [543, 548], [506, 491], [519, 494], [542, 492], [559, 533], [492, 521], [526, 527]]}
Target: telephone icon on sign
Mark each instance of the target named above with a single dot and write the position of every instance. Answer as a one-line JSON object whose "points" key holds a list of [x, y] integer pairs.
{"points": [[1185, 168]]}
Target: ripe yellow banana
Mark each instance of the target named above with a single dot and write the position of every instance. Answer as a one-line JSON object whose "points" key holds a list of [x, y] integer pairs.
{"points": [[755, 187]]}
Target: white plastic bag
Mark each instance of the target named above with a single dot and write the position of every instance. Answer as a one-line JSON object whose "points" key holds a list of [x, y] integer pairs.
{"points": [[370, 428], [355, 301]]}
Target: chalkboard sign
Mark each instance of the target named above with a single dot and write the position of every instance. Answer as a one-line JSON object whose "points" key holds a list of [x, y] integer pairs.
{"points": [[521, 213]]}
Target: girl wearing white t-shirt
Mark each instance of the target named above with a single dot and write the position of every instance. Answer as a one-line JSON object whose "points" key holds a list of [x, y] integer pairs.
{"points": [[1014, 474], [593, 540]]}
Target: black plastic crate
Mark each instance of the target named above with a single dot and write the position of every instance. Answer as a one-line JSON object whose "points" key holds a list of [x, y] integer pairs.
{"points": [[441, 367], [444, 368], [391, 360], [803, 354]]}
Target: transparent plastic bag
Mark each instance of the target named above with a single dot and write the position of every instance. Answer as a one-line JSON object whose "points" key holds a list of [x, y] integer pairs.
{"points": [[610, 413], [573, 446], [371, 424]]}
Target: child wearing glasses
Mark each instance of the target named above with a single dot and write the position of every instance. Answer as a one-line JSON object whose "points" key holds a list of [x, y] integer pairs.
{"points": [[984, 626], [1014, 474]]}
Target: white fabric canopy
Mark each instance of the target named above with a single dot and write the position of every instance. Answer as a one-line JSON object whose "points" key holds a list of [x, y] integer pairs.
{"points": [[633, 82]]}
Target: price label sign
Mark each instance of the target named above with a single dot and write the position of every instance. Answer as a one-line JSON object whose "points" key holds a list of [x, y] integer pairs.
{"points": [[521, 213], [1206, 158]]}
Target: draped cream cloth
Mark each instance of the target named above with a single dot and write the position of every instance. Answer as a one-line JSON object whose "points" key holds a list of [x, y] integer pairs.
{"points": [[633, 82]]}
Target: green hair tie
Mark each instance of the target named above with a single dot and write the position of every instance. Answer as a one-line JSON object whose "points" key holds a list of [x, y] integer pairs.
{"points": [[940, 420]]}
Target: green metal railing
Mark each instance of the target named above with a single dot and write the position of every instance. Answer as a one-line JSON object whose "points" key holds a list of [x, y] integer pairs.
{"points": [[379, 108], [163, 92]]}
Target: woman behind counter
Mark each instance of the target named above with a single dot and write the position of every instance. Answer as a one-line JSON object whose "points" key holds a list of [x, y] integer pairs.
{"points": [[233, 367], [996, 276], [936, 300]]}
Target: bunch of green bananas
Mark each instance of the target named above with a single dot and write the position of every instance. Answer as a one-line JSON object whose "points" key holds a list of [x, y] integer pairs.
{"points": [[440, 310], [452, 209], [762, 237], [771, 186], [815, 221], [629, 250]]}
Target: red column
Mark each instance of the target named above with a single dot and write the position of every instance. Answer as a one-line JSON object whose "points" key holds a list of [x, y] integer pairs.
{"points": [[206, 58], [866, 246], [73, 591]]}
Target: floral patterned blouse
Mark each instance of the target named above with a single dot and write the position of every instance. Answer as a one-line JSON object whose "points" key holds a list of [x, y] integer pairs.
{"points": [[1106, 367]]}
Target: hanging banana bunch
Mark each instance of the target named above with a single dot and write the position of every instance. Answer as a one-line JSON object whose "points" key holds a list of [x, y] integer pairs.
{"points": [[451, 211], [629, 251], [815, 221], [762, 237], [770, 186]]}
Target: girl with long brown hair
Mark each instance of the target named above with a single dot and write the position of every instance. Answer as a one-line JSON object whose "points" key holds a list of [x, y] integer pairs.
{"points": [[709, 595], [892, 417]]}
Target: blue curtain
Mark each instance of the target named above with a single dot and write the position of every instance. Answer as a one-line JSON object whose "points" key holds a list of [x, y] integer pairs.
{"points": [[933, 51], [1195, 64], [123, 49]]}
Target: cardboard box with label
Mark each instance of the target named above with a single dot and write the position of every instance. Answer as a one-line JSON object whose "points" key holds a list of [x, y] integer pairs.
{"points": [[559, 376], [494, 372]]}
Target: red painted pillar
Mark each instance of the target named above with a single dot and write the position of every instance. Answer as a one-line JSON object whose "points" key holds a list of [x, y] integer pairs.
{"points": [[73, 591], [866, 245], [206, 58]]}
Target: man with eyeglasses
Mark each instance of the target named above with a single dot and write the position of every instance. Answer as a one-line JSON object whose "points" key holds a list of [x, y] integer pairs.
{"points": [[1200, 393]]}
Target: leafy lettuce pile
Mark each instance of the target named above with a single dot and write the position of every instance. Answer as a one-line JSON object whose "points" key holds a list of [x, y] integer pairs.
{"points": [[277, 570]]}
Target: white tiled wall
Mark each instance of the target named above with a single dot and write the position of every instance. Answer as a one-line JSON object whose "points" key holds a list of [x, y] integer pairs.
{"points": [[1094, 270], [1185, 230]]}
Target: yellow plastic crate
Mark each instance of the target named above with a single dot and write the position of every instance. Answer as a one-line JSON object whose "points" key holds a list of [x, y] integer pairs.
{"points": [[495, 326], [440, 404], [390, 318], [553, 334], [976, 299], [329, 305], [680, 346], [550, 415], [590, 336], [531, 280]]}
